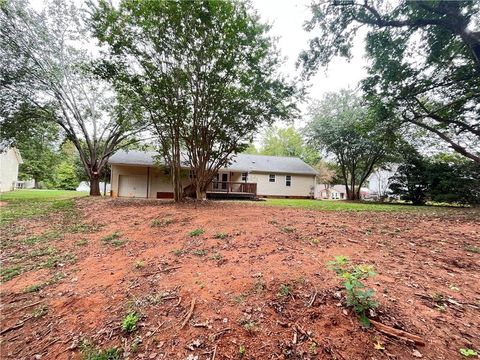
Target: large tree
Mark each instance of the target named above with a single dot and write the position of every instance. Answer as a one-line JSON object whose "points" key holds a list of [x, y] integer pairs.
{"points": [[288, 141], [425, 60], [44, 61], [343, 127], [205, 71]]}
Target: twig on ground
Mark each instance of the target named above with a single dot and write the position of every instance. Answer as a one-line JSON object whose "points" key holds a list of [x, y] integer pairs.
{"points": [[189, 314], [162, 270], [388, 330], [312, 300]]}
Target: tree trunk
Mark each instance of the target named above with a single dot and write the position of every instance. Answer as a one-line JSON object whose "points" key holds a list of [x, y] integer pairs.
{"points": [[94, 184]]}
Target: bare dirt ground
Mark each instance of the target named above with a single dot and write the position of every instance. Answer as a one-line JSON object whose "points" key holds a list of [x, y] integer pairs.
{"points": [[253, 285]]}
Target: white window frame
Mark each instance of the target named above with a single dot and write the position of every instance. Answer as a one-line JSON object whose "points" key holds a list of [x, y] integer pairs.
{"points": [[244, 176], [270, 178], [288, 179]]}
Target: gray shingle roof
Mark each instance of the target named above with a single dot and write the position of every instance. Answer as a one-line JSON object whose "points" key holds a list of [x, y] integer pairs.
{"points": [[240, 162]]}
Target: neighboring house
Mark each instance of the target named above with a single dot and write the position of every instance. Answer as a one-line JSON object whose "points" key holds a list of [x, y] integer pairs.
{"points": [[336, 192], [84, 186], [135, 174], [10, 159]]}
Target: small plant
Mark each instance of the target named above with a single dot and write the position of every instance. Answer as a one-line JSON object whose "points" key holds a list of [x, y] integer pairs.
{"points": [[33, 288], [129, 322], [139, 264], [161, 223], [242, 351], [81, 242], [179, 252], [10, 272], [40, 311], [284, 290], [472, 249], [113, 236], [288, 230], [468, 352], [89, 352], [196, 232], [358, 297], [200, 252], [220, 235], [273, 222], [259, 286], [216, 257]]}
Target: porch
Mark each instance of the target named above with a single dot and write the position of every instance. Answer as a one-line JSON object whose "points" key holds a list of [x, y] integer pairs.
{"points": [[231, 190]]}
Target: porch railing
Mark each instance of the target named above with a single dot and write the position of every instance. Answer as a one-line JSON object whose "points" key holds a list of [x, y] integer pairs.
{"points": [[232, 187]]}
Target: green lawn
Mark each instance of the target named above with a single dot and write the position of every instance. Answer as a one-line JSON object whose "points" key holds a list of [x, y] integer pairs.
{"points": [[32, 203], [332, 205]]}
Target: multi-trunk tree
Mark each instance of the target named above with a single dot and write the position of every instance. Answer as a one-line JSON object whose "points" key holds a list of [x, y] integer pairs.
{"points": [[44, 61], [343, 127], [205, 72], [425, 60]]}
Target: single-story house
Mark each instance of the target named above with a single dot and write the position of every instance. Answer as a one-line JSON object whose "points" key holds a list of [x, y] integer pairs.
{"points": [[137, 174], [10, 160], [336, 192]]}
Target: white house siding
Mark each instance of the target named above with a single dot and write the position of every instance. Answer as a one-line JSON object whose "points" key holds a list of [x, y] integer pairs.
{"points": [[8, 169], [301, 185]]}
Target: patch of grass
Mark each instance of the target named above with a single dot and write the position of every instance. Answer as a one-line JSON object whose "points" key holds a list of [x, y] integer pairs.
{"points": [[196, 232], [259, 286], [468, 352], [288, 230], [242, 351], [199, 252], [220, 235], [81, 242], [249, 325], [161, 223], [129, 322], [83, 228], [113, 236], [284, 290], [8, 273], [40, 311], [89, 352], [216, 257], [33, 288], [50, 235], [240, 298], [139, 264], [472, 249], [179, 252]]}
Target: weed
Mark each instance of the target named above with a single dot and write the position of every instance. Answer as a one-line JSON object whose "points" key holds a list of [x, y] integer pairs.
{"points": [[472, 249], [82, 242], [89, 352], [315, 241], [196, 232], [83, 228], [468, 352], [216, 257], [284, 290], [39, 311], [242, 351], [273, 222], [358, 297], [239, 299], [288, 230], [118, 242], [139, 264], [178, 252], [259, 286], [200, 252], [161, 223], [113, 236], [129, 322], [33, 288], [221, 235], [10, 272]]}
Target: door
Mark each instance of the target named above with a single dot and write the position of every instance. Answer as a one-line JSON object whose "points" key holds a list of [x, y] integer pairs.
{"points": [[132, 186]]}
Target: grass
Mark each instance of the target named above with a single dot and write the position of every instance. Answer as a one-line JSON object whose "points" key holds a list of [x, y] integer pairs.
{"points": [[196, 232], [332, 205], [34, 203]]}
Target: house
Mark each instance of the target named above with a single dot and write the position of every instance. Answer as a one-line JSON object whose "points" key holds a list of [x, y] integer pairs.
{"points": [[336, 192], [379, 181], [138, 174], [10, 159]]}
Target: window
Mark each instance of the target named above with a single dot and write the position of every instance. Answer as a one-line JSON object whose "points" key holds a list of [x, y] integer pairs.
{"points": [[244, 176], [288, 180], [271, 178]]}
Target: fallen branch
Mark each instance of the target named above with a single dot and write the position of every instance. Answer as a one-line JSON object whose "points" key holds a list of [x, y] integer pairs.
{"points": [[162, 271], [24, 307], [14, 327], [312, 300], [388, 330], [189, 315], [214, 353]]}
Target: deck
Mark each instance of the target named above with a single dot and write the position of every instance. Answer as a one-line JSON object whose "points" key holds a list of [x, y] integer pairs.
{"points": [[232, 190]]}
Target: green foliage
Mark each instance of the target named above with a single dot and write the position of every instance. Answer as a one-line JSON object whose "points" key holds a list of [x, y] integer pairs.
{"points": [[342, 126], [358, 297], [438, 90], [200, 252], [196, 232], [8, 273], [284, 290], [89, 352], [66, 177], [221, 235], [113, 236], [288, 142], [129, 322], [468, 352], [444, 179]]}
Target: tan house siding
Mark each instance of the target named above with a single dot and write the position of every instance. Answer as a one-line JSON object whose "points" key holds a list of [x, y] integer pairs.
{"points": [[118, 170], [9, 162], [301, 185]]}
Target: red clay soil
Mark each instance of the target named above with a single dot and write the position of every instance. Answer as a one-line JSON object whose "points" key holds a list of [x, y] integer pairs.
{"points": [[260, 289]]}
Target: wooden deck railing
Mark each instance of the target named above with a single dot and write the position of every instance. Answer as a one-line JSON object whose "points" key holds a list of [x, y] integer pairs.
{"points": [[232, 187]]}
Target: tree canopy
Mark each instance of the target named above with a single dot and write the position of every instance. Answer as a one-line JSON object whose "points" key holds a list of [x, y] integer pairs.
{"points": [[425, 61], [205, 72]]}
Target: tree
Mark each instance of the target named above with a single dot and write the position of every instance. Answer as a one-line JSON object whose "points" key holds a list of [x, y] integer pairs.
{"points": [[288, 142], [44, 62], [36, 137], [343, 127], [205, 71], [425, 60]]}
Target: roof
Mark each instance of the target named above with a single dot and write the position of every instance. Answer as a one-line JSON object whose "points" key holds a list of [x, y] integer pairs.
{"points": [[240, 162], [5, 146], [338, 188]]}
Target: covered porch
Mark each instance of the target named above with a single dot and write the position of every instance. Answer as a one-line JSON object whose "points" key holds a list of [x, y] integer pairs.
{"points": [[231, 190]]}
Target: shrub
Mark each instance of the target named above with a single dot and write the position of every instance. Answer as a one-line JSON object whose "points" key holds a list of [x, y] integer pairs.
{"points": [[359, 297], [129, 322]]}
